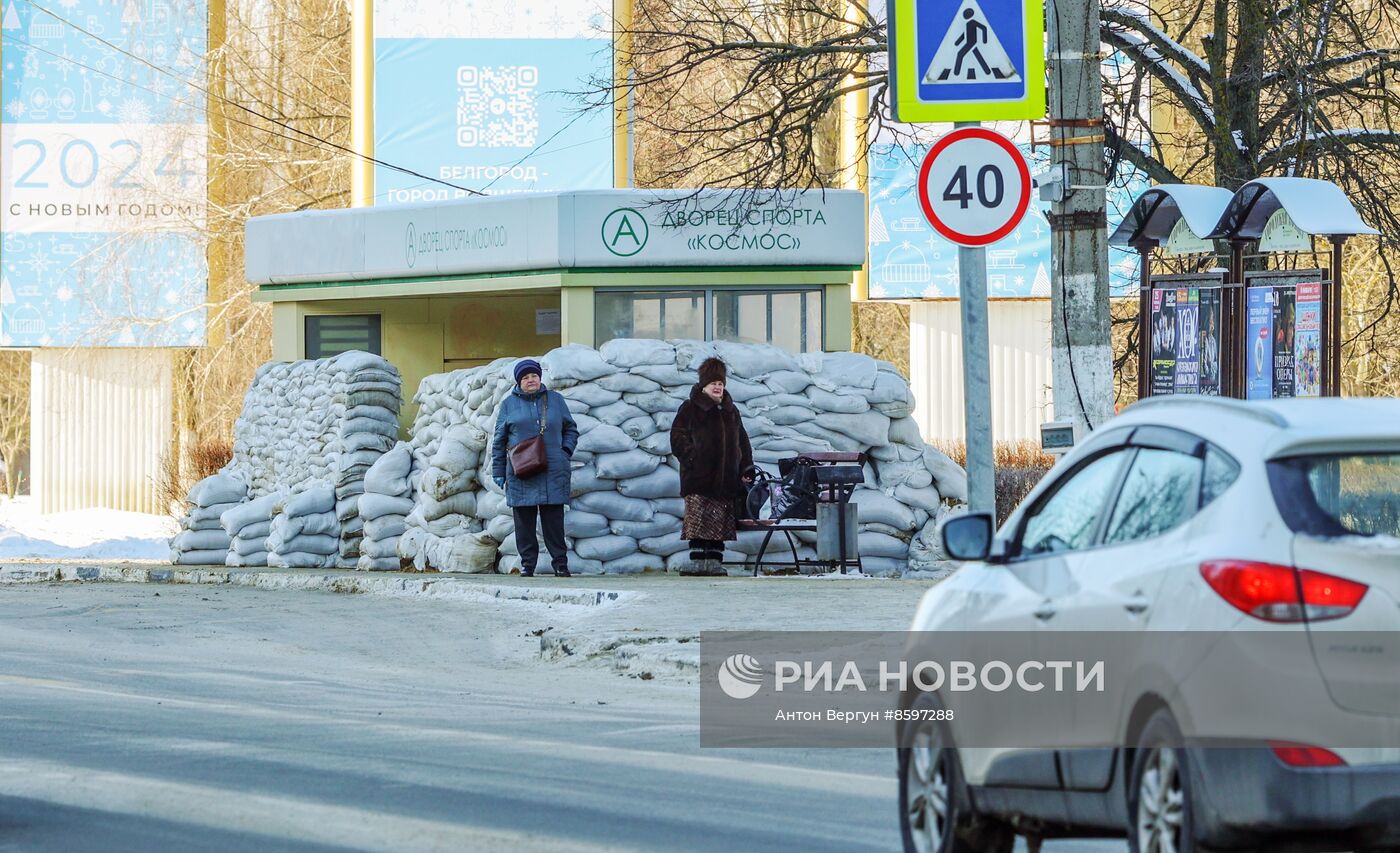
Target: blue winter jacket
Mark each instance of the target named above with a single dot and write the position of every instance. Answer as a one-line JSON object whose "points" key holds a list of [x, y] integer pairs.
{"points": [[517, 419]]}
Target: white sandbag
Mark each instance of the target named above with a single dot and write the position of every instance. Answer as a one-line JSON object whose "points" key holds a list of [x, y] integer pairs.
{"points": [[631, 463], [663, 482], [322, 523], [374, 426], [308, 543], [375, 506], [830, 402], [222, 488], [585, 479], [652, 403], [868, 429], [743, 391], [628, 383], [509, 565], [750, 361], [473, 554], [883, 567], [679, 560], [591, 395], [635, 352], [606, 439], [639, 428], [617, 413], [658, 443], [669, 506], [787, 381], [906, 431], [380, 548], [301, 560], [873, 544], [367, 563], [750, 541], [666, 375], [508, 546], [258, 531], [574, 363], [491, 504], [948, 477], [311, 501], [836, 370], [764, 404], [258, 558], [211, 557], [605, 548], [390, 471], [838, 441], [634, 564], [462, 503], [584, 423], [927, 499], [664, 546], [440, 485], [206, 524], [251, 512], [502, 526], [665, 419], [615, 506], [690, 353], [385, 527], [579, 524], [790, 415], [878, 507], [660, 525], [205, 515]]}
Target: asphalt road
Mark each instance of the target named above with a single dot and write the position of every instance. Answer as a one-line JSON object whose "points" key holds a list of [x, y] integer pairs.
{"points": [[135, 718]]}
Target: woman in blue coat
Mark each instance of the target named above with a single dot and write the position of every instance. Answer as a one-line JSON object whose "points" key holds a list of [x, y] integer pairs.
{"points": [[541, 495]]}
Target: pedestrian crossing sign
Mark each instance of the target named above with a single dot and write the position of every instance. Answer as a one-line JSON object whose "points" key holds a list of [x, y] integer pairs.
{"points": [[967, 60]]}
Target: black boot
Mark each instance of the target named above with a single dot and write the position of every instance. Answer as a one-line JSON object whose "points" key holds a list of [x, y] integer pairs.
{"points": [[527, 573], [562, 572], [696, 567], [714, 564]]}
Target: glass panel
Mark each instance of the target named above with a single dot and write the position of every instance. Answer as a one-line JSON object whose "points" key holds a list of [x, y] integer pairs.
{"points": [[612, 316], [1340, 494], [813, 338], [646, 317], [685, 318], [1159, 493], [787, 321], [753, 318], [331, 335], [1066, 521]]}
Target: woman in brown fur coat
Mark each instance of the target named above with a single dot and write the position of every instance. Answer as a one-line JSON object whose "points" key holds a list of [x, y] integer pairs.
{"points": [[708, 438]]}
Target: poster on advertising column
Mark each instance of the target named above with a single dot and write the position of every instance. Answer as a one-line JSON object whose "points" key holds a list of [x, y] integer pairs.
{"points": [[1307, 341], [1210, 323], [1259, 343], [1283, 320], [1164, 341], [1188, 340], [481, 94], [102, 173]]}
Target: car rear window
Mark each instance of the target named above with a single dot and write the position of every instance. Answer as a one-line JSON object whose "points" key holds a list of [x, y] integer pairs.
{"points": [[1339, 494]]}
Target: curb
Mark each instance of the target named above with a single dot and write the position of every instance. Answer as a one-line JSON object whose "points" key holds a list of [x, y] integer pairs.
{"points": [[415, 587]]}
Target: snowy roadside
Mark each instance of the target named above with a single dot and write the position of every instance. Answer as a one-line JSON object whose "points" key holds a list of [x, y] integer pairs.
{"points": [[86, 534]]}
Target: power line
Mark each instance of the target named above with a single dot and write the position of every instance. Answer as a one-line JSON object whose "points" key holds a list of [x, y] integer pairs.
{"points": [[250, 110]]}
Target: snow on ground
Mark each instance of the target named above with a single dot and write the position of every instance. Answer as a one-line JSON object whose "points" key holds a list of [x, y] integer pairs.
{"points": [[85, 534]]}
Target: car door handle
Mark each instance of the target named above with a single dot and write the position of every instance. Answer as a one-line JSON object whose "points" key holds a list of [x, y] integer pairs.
{"points": [[1137, 605], [1045, 611]]}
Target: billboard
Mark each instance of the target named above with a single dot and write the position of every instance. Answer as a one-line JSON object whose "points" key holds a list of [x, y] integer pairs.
{"points": [[102, 174], [1283, 346], [478, 94]]}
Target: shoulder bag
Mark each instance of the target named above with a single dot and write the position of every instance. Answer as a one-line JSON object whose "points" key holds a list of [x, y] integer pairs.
{"points": [[530, 457]]}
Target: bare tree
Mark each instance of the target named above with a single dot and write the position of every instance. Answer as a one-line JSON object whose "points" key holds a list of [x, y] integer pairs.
{"points": [[14, 418], [728, 93]]}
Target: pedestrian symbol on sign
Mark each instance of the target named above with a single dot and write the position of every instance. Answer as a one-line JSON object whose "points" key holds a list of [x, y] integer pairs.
{"points": [[970, 52]]}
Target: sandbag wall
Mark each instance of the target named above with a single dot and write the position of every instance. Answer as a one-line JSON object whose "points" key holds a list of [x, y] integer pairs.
{"points": [[625, 513], [308, 433]]}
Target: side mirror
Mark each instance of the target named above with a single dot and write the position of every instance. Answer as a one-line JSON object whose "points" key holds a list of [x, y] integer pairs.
{"points": [[968, 537]]}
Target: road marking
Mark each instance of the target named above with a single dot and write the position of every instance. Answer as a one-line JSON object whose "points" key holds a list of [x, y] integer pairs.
{"points": [[277, 816]]}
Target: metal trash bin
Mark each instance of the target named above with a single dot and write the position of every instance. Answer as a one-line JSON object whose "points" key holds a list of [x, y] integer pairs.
{"points": [[831, 518]]}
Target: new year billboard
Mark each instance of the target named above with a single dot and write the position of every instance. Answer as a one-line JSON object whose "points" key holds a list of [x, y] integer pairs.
{"points": [[102, 173]]}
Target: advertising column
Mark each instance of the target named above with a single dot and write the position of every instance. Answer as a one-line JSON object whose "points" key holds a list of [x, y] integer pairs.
{"points": [[484, 95]]}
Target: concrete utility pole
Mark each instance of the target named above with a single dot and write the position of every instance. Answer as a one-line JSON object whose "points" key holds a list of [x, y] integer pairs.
{"points": [[1082, 349]]}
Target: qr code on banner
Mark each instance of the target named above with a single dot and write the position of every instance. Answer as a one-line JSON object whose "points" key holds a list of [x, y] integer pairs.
{"points": [[496, 106]]}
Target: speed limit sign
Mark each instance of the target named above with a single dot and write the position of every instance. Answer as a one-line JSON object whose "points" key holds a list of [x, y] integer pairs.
{"points": [[974, 186]]}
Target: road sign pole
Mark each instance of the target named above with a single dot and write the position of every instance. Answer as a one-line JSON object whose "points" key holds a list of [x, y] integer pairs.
{"points": [[977, 373]]}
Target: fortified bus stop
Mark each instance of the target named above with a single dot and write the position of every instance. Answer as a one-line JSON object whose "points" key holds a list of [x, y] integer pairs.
{"points": [[448, 285]]}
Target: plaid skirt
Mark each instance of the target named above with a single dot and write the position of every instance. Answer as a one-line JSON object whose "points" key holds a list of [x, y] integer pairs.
{"points": [[708, 518]]}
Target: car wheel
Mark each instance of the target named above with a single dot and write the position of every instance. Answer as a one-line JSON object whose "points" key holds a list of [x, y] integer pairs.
{"points": [[1159, 796], [935, 814]]}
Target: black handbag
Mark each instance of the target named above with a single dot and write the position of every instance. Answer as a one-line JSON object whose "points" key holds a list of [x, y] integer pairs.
{"points": [[530, 456]]}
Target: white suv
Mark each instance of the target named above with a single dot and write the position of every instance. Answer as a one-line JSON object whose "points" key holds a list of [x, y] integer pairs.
{"points": [[1187, 514]]}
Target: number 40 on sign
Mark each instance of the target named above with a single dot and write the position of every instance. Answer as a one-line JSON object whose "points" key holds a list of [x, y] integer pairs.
{"points": [[974, 186]]}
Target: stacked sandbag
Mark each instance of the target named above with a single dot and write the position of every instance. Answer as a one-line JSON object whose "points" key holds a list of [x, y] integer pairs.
{"points": [[202, 540], [304, 532], [248, 526], [383, 508], [314, 423], [626, 508]]}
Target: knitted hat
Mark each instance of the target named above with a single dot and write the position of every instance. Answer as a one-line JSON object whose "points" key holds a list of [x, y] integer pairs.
{"points": [[524, 367], [712, 370]]}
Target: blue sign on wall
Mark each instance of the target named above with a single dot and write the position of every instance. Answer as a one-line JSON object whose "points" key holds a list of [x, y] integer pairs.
{"points": [[476, 94], [103, 174]]}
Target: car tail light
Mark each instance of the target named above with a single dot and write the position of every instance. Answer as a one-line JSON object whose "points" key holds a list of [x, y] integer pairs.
{"points": [[1302, 755], [1282, 593]]}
